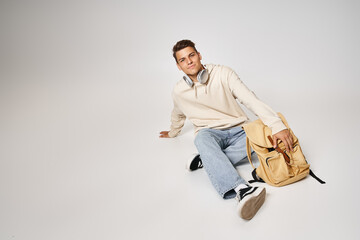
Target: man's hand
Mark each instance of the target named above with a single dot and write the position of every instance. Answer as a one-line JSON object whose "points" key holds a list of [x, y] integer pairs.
{"points": [[164, 134], [285, 137]]}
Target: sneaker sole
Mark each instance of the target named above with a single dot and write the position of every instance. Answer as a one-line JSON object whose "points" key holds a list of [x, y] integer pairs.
{"points": [[252, 205]]}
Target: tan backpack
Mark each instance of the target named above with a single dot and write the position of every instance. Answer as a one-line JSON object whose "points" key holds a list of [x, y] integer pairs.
{"points": [[277, 166]]}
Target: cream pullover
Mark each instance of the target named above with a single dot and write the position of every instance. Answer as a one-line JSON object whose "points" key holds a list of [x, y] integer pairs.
{"points": [[214, 105]]}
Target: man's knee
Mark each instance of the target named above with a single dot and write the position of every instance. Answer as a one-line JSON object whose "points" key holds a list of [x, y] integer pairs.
{"points": [[203, 136]]}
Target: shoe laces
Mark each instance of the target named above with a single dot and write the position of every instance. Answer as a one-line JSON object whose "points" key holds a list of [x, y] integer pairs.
{"points": [[241, 193]]}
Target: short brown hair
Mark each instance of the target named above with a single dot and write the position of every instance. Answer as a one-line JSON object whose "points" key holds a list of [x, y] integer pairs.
{"points": [[181, 45]]}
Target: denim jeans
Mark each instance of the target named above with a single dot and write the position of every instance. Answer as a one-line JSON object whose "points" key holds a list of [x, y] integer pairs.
{"points": [[220, 152]]}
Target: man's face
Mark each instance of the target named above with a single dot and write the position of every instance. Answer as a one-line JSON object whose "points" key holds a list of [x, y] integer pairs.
{"points": [[188, 61]]}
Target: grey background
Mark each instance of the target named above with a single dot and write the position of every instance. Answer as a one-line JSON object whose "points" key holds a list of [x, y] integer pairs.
{"points": [[85, 88]]}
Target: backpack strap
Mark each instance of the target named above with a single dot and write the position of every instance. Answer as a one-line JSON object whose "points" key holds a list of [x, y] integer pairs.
{"points": [[311, 173], [248, 152], [256, 178]]}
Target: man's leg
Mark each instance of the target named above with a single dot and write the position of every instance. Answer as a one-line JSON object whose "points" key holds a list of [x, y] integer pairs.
{"points": [[223, 175], [232, 143], [235, 150]]}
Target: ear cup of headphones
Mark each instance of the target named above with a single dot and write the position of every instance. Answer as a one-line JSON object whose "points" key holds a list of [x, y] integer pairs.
{"points": [[188, 80], [203, 76]]}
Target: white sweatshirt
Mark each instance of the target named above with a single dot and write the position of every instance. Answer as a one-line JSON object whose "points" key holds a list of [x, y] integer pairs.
{"points": [[214, 105]]}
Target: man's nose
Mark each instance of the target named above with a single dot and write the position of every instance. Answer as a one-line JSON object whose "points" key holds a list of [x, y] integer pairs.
{"points": [[189, 61]]}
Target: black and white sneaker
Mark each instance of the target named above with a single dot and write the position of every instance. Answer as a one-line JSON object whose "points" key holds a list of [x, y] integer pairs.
{"points": [[194, 162], [250, 200]]}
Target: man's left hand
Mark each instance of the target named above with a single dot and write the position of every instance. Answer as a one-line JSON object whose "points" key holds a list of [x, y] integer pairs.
{"points": [[285, 137]]}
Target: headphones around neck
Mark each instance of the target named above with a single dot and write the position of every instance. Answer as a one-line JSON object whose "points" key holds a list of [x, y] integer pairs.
{"points": [[202, 77]]}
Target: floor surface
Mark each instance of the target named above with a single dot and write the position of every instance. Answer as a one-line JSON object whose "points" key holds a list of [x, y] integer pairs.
{"points": [[82, 169]]}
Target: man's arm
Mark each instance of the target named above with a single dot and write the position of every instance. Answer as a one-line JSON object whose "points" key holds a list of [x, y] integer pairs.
{"points": [[263, 111], [177, 122]]}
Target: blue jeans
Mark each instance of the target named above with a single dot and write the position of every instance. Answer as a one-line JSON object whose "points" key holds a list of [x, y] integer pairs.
{"points": [[220, 152]]}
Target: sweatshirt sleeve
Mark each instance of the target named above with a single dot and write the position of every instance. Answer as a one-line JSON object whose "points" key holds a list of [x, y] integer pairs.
{"points": [[177, 121], [249, 100]]}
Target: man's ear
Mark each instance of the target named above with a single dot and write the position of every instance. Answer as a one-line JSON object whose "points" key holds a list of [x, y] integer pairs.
{"points": [[200, 57]]}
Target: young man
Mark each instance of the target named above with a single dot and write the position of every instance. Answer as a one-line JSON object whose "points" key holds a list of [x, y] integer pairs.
{"points": [[207, 97]]}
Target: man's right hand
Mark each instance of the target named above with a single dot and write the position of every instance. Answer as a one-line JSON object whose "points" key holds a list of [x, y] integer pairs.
{"points": [[164, 134]]}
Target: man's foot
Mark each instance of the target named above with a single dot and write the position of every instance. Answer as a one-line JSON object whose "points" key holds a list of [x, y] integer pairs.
{"points": [[250, 200], [194, 162]]}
